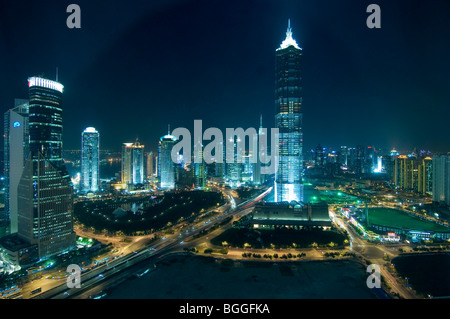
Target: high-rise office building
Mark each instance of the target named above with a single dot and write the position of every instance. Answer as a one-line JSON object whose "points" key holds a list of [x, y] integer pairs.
{"points": [[359, 161], [15, 154], [319, 156], [288, 119], [425, 178], [90, 151], [234, 169], [258, 178], [45, 193], [247, 169], [132, 163], [441, 179], [150, 162], [343, 156], [199, 170], [166, 167]]}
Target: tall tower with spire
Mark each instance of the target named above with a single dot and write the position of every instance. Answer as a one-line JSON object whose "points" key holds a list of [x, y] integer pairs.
{"points": [[288, 119]]}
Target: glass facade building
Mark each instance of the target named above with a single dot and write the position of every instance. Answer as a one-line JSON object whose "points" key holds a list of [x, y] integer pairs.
{"points": [[15, 154], [441, 179], [45, 193], [90, 150], [166, 167], [132, 163], [288, 119]]}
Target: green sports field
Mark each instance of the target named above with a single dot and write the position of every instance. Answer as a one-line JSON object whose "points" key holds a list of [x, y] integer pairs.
{"points": [[395, 218]]}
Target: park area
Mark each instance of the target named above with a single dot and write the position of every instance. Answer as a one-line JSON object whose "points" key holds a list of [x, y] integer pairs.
{"points": [[398, 219]]}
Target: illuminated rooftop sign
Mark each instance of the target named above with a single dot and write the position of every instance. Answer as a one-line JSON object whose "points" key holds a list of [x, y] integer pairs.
{"points": [[90, 130], [49, 84]]}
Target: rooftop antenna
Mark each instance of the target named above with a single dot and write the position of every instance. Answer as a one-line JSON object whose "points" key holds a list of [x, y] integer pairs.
{"points": [[289, 29], [168, 130], [56, 74]]}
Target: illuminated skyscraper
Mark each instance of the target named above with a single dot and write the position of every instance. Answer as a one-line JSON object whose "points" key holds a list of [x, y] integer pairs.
{"points": [[90, 176], [44, 191], [288, 119], [16, 152], [441, 179], [234, 169], [166, 167], [425, 183], [257, 177], [132, 163], [405, 172], [150, 162]]}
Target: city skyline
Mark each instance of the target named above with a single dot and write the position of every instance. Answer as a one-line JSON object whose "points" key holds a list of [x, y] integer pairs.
{"points": [[353, 182], [349, 67]]}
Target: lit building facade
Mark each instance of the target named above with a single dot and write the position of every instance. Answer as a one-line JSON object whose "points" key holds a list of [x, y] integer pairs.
{"points": [[90, 150], [405, 172], [150, 165], [258, 178], [441, 179], [288, 119], [132, 163], [413, 174], [292, 215], [425, 178], [166, 167], [234, 169], [44, 191], [15, 154]]}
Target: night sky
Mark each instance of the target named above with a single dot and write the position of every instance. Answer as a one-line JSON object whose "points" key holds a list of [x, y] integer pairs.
{"points": [[136, 66]]}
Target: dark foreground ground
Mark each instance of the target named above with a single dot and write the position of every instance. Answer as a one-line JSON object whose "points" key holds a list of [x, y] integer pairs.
{"points": [[426, 273], [196, 277]]}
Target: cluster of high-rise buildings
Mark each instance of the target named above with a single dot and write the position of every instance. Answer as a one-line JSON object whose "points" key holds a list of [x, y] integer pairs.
{"points": [[39, 193], [357, 160], [419, 171], [424, 174]]}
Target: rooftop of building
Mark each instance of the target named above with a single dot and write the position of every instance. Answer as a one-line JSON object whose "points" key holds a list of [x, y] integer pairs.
{"points": [[290, 204], [13, 242]]}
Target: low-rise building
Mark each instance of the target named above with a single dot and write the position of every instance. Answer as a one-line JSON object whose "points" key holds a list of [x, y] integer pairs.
{"points": [[291, 214]]}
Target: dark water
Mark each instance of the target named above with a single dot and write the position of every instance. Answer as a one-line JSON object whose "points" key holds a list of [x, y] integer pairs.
{"points": [[195, 277], [429, 274]]}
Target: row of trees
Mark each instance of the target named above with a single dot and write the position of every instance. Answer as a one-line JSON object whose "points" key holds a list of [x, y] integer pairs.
{"points": [[275, 256], [171, 208]]}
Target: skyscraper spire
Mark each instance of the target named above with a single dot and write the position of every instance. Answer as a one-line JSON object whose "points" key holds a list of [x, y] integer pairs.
{"points": [[289, 39], [260, 121], [168, 129]]}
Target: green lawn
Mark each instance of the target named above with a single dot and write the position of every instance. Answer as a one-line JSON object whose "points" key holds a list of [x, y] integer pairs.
{"points": [[398, 219]]}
